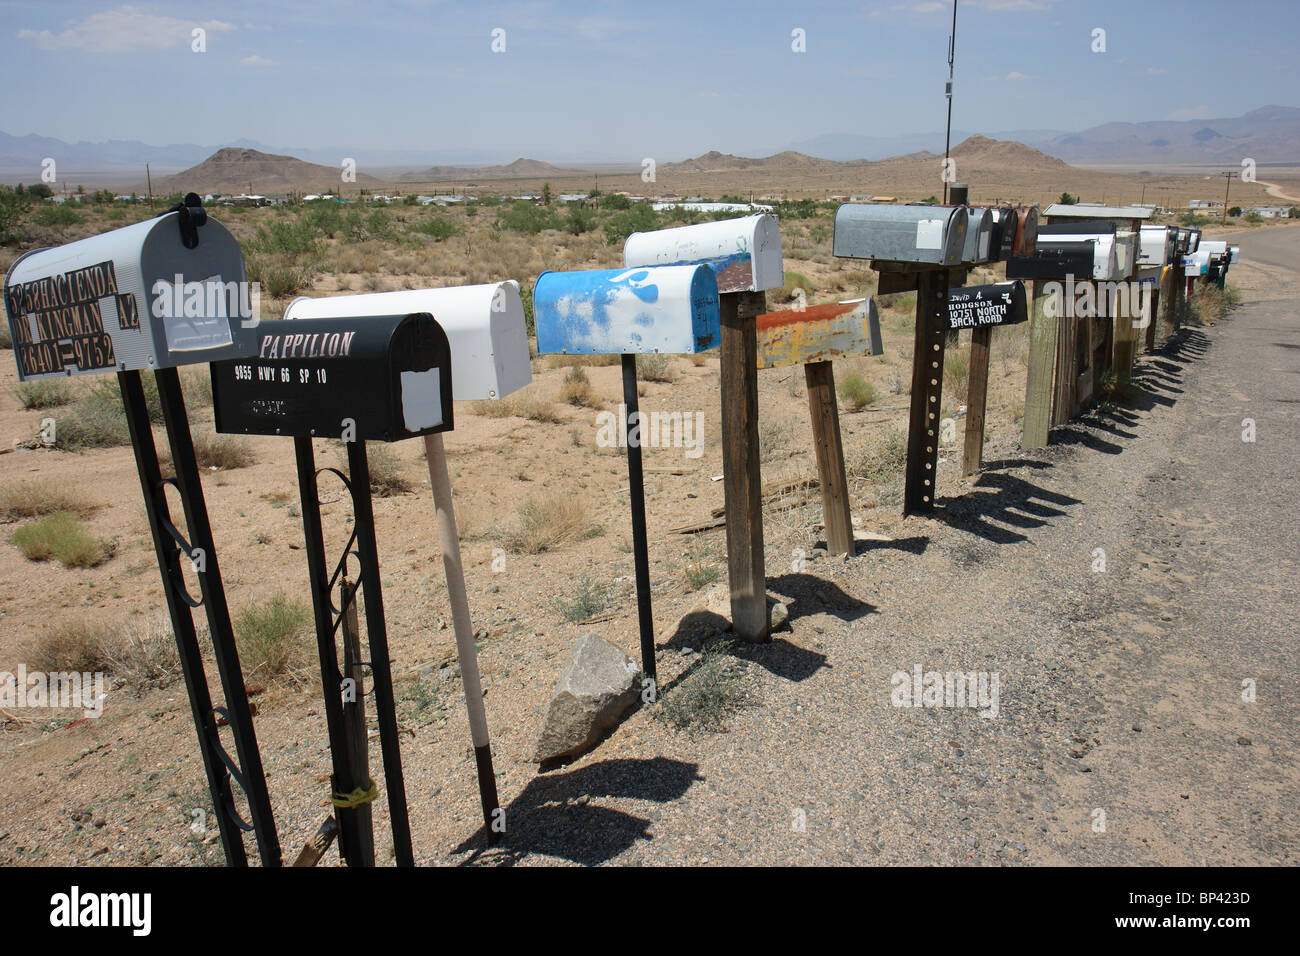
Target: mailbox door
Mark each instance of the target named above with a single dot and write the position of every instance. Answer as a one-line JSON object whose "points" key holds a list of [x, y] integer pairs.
{"points": [[1027, 231], [132, 298], [670, 309], [367, 378], [934, 235], [979, 235], [484, 324], [1054, 259], [744, 254], [818, 333]]}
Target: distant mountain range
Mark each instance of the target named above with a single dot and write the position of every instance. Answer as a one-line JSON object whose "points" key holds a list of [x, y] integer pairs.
{"points": [[1270, 134], [234, 170]]}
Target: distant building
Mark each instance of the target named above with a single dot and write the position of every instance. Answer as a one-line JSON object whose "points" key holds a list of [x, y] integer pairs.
{"points": [[1203, 204], [712, 206], [1270, 212]]}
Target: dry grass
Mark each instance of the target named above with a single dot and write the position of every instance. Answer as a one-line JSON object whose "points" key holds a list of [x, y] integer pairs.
{"points": [[883, 460], [590, 361], [44, 393], [64, 537], [550, 520], [518, 406], [656, 368], [35, 499], [577, 389], [274, 639], [856, 392], [81, 646], [386, 478]]}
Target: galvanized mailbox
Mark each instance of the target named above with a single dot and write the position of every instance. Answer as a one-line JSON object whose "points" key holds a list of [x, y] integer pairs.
{"points": [[164, 292], [819, 333], [981, 306], [365, 378], [979, 235], [745, 253], [484, 324], [1197, 264], [671, 309], [933, 235]]}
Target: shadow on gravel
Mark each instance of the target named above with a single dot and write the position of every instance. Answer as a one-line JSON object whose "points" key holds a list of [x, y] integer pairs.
{"points": [[913, 545], [808, 594], [1006, 499], [547, 817]]}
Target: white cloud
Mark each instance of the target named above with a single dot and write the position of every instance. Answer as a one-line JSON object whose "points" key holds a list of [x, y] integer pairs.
{"points": [[1190, 113], [122, 30], [256, 60], [1156, 71], [1013, 76]]}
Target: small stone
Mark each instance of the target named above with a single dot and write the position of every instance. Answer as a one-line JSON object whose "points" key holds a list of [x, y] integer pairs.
{"points": [[598, 684], [1244, 741], [778, 615]]}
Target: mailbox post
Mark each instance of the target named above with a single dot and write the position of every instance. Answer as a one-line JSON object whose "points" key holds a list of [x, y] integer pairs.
{"points": [[813, 337], [162, 293], [630, 312], [376, 378], [489, 357], [921, 248], [745, 254]]}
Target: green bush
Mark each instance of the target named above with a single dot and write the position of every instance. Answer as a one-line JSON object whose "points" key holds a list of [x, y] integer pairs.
{"points": [[55, 214], [524, 216], [97, 418], [857, 392], [587, 599], [44, 393], [716, 688], [288, 237], [638, 217], [64, 537], [436, 228], [273, 638]]}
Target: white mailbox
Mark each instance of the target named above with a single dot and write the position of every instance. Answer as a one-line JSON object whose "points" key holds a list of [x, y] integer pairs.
{"points": [[1156, 245], [933, 235], [745, 253], [484, 324], [164, 292], [1233, 253], [979, 236]]}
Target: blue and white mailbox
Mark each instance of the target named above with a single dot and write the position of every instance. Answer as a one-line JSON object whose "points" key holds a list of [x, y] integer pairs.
{"points": [[744, 253], [484, 325], [641, 310], [630, 312]]}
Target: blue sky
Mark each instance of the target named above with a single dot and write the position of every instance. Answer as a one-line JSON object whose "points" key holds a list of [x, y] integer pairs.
{"points": [[665, 79]]}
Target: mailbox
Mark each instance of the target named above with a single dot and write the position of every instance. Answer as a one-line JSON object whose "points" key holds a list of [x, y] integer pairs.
{"points": [[1233, 253], [979, 235], [484, 324], [982, 306], [1055, 259], [1193, 241], [1156, 245], [1217, 248], [387, 376], [1197, 264], [1006, 223], [818, 333], [745, 253], [934, 235], [1114, 248], [164, 292], [671, 309], [1027, 232]]}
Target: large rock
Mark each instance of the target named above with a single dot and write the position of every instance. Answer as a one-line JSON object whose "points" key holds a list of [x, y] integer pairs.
{"points": [[598, 684]]}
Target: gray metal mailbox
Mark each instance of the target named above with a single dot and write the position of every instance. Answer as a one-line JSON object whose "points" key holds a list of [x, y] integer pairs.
{"points": [[162, 293], [979, 236], [933, 235]]}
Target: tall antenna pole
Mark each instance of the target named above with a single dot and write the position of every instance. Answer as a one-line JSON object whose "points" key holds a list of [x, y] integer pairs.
{"points": [[947, 139], [1226, 186]]}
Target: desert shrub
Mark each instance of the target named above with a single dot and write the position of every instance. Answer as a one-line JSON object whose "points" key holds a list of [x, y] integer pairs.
{"points": [[956, 373], [83, 646], [580, 220], [773, 440], [55, 214], [577, 389], [281, 276], [212, 450], [285, 237], [637, 217], [44, 393], [6, 337], [656, 367], [386, 478], [698, 575], [585, 600], [98, 420], [549, 520], [62, 536], [196, 384], [856, 392], [524, 216], [34, 499], [719, 686], [144, 655], [274, 638], [882, 460], [436, 227], [518, 406]]}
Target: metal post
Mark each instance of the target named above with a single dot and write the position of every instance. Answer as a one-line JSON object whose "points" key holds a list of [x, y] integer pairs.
{"points": [[377, 633], [449, 541], [640, 544], [202, 553], [927, 388]]}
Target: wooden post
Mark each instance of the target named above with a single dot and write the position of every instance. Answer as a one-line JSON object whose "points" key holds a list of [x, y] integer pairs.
{"points": [[742, 481], [466, 652], [1043, 330], [1067, 342], [825, 414], [976, 399], [1152, 316], [354, 719], [927, 390], [1125, 335]]}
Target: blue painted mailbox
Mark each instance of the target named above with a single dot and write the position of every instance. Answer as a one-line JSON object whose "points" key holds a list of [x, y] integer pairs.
{"points": [[671, 309]]}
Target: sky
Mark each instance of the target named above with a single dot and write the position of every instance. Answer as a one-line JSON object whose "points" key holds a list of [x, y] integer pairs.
{"points": [[612, 80]]}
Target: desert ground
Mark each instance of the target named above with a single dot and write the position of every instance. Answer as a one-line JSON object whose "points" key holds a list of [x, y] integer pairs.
{"points": [[743, 736]]}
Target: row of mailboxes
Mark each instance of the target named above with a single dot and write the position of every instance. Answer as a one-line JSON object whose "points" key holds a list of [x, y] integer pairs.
{"points": [[645, 309], [162, 293], [484, 325], [931, 235], [1097, 249], [370, 378], [1156, 245], [744, 254]]}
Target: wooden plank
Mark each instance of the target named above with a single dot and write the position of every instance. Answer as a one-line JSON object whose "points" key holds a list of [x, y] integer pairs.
{"points": [[1066, 363], [740, 463], [354, 720], [927, 391], [825, 414], [976, 399], [1043, 329], [1124, 334], [1152, 317], [315, 848]]}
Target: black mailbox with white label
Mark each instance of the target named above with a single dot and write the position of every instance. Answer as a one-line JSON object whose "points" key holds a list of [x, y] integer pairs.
{"points": [[983, 306], [371, 378], [162, 293], [1054, 260]]}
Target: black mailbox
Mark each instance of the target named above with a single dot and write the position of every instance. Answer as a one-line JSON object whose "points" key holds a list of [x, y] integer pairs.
{"points": [[1053, 260], [375, 378], [1002, 242]]}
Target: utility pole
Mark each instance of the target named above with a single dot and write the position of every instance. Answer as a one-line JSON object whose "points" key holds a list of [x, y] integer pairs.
{"points": [[947, 92], [1226, 186], [149, 179]]}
